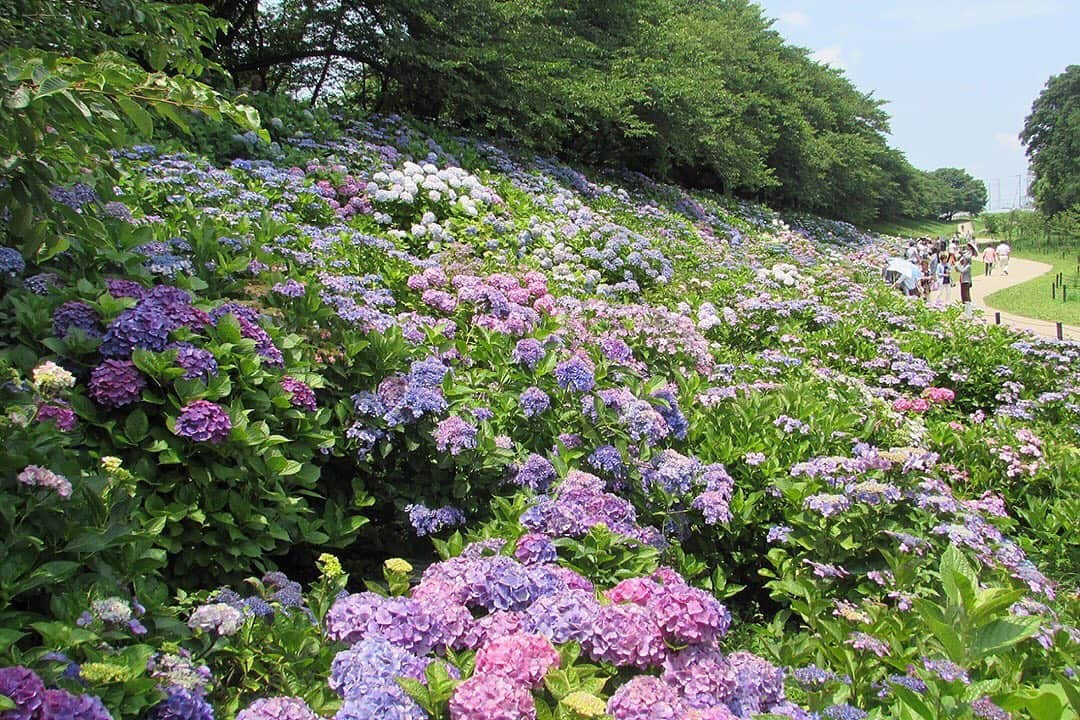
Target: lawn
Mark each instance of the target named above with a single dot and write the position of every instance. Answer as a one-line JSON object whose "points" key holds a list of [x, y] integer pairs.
{"points": [[1033, 299], [927, 227]]}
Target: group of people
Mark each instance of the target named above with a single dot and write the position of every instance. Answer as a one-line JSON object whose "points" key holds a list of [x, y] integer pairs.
{"points": [[938, 260]]}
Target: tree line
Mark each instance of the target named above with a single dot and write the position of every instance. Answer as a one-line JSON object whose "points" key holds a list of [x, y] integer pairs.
{"points": [[703, 92]]}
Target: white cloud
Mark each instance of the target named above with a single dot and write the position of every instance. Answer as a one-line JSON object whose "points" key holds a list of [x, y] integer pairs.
{"points": [[794, 17], [832, 55]]}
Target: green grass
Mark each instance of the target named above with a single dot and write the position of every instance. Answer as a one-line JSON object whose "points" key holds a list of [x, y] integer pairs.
{"points": [[1032, 298], [930, 227]]}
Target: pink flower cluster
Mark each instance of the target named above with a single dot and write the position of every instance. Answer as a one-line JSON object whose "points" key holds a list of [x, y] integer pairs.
{"points": [[939, 396], [502, 302]]}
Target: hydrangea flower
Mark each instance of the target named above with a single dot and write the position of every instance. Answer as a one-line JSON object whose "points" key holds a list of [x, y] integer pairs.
{"points": [[523, 659], [37, 476], [300, 394], [76, 315], [196, 362], [219, 618], [528, 352], [491, 697], [115, 383], [24, 688], [11, 261], [575, 374], [426, 521], [181, 704], [688, 615], [535, 548], [534, 401], [59, 413], [702, 674], [626, 635], [536, 473], [290, 288], [646, 698], [204, 421], [454, 435]]}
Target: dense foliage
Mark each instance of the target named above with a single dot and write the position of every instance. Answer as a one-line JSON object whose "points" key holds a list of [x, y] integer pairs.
{"points": [[358, 417], [1052, 138], [704, 93]]}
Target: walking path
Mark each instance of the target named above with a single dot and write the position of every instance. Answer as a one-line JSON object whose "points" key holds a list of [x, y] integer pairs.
{"points": [[1020, 271]]}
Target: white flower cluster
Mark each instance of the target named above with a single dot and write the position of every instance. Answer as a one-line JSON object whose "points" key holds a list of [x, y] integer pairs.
{"points": [[451, 185], [709, 318], [783, 273]]}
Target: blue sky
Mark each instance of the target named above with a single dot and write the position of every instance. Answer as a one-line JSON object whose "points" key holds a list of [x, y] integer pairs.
{"points": [[960, 75]]}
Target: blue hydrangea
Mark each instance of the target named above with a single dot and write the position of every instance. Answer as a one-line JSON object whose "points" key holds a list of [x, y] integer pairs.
{"points": [[575, 374], [11, 262], [534, 401], [145, 326], [536, 473], [181, 704], [607, 459]]}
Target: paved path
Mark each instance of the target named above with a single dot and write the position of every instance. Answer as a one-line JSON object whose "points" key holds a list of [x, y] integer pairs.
{"points": [[1020, 271]]}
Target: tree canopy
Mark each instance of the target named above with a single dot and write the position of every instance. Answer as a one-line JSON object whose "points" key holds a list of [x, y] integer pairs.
{"points": [[1052, 136], [705, 93]]}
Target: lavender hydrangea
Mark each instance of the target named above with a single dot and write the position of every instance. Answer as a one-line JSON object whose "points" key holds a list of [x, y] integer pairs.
{"points": [[426, 521], [534, 401], [198, 364], [454, 435], [646, 698], [536, 473], [300, 394], [533, 548], [528, 352]]}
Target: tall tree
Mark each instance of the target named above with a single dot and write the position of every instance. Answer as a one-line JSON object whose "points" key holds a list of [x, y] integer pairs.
{"points": [[1052, 136], [959, 192]]}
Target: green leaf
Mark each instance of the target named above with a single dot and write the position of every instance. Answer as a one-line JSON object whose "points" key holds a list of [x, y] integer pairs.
{"points": [[137, 114], [18, 99], [1001, 634], [136, 426], [958, 578]]}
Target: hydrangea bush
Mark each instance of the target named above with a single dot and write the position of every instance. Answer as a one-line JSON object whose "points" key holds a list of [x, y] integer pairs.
{"points": [[633, 452]]}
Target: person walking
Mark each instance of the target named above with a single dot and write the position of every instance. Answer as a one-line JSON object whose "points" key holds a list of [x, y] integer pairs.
{"points": [[967, 255], [944, 280], [989, 255], [1003, 253]]}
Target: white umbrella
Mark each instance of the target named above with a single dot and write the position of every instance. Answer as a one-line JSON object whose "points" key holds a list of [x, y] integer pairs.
{"points": [[908, 273]]}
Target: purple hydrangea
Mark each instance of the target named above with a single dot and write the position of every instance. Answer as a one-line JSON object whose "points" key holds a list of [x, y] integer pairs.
{"points": [[59, 413], [115, 383], [11, 261], [428, 373], [290, 288], [491, 697], [688, 615], [646, 698], [119, 288], [564, 616], [759, 683], [76, 315], [62, 705], [426, 521], [300, 394], [702, 674], [196, 362], [277, 708], [405, 622], [536, 473], [627, 636], [528, 352], [669, 410], [147, 326], [181, 704], [607, 459], [454, 435], [25, 689], [534, 401], [370, 664], [575, 374], [533, 548], [204, 421]]}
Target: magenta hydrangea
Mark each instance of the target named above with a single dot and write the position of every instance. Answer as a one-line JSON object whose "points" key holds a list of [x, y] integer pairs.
{"points": [[688, 615], [62, 705], [646, 698], [115, 383], [58, 413], [204, 421], [524, 659], [491, 697], [300, 394]]}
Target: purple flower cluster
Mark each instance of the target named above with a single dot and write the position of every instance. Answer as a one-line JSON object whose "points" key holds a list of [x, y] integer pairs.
{"points": [[575, 374], [115, 383], [37, 476], [426, 521], [181, 703], [579, 504], [198, 364], [277, 708], [300, 394], [454, 435], [536, 473], [203, 421], [534, 401], [528, 352]]}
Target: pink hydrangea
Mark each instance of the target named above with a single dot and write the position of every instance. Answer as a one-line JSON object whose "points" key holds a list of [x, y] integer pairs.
{"points": [[639, 591], [646, 698], [524, 659], [688, 615], [939, 396], [491, 697]]}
